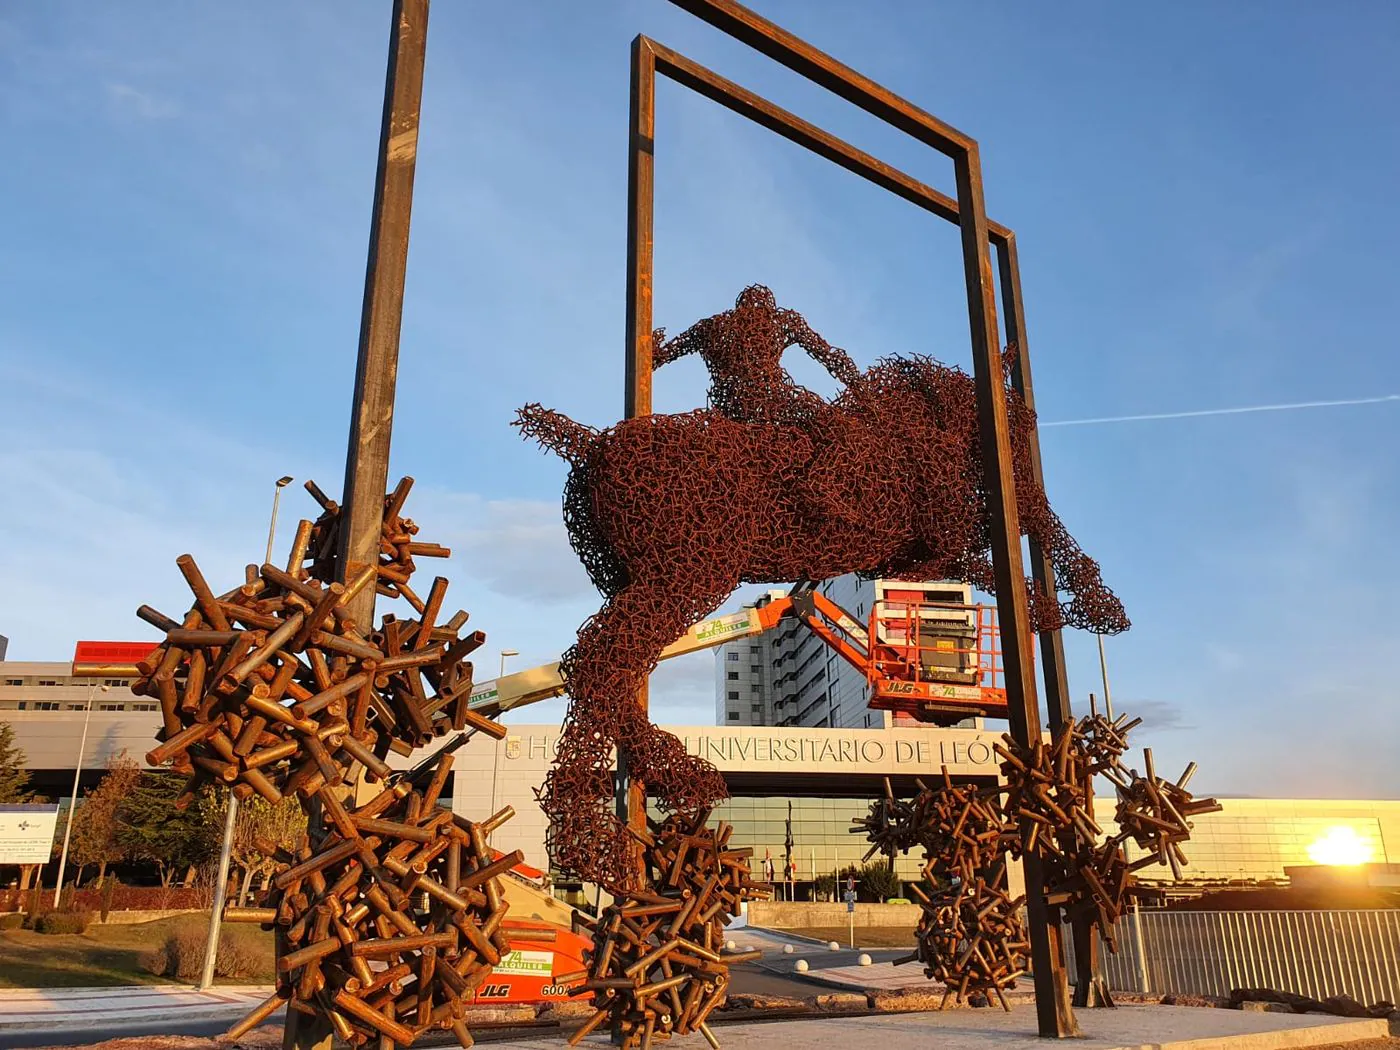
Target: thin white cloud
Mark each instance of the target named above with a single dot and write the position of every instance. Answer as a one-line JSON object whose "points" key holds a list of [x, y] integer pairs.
{"points": [[1243, 410], [143, 104], [516, 547]]}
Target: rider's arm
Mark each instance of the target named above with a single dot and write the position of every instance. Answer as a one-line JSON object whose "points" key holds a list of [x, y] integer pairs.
{"points": [[690, 341], [832, 358]]}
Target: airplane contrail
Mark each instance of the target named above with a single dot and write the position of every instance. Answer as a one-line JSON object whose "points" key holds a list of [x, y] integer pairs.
{"points": [[1220, 411]]}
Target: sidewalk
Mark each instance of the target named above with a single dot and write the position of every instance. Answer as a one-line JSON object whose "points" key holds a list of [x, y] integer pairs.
{"points": [[78, 1008]]}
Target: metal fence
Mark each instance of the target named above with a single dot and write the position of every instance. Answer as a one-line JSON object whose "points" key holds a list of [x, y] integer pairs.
{"points": [[1316, 953]]}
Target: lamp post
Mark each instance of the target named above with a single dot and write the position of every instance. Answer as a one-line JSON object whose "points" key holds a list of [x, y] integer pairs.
{"points": [[1103, 670], [272, 525], [73, 803], [496, 754], [211, 947]]}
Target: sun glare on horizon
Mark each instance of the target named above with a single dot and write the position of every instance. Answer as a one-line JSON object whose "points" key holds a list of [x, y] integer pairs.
{"points": [[1340, 846]]}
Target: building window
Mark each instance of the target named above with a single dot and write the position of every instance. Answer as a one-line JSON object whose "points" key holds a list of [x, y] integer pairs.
{"points": [[116, 682], [732, 676], [48, 681], [733, 658], [14, 681], [144, 707], [734, 716], [46, 705], [734, 694], [75, 707], [22, 705], [111, 707]]}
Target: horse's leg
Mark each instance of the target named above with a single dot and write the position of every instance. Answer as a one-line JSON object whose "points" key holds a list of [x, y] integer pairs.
{"points": [[646, 617], [616, 650]]}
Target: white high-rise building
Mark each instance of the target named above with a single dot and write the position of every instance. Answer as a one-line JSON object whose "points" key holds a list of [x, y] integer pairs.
{"points": [[788, 676]]}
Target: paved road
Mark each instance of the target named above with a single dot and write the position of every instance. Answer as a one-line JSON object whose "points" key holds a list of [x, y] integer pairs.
{"points": [[35, 1037], [757, 978]]}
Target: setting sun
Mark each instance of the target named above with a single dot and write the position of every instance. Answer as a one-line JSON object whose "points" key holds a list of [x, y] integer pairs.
{"points": [[1340, 845]]}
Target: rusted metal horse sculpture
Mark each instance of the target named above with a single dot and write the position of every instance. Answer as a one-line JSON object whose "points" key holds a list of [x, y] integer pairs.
{"points": [[671, 513]]}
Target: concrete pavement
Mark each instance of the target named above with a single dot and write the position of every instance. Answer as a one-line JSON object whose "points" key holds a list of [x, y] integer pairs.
{"points": [[1127, 1028], [77, 1009]]}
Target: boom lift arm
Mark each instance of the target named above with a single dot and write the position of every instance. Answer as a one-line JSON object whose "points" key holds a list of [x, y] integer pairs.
{"points": [[934, 661], [919, 671]]}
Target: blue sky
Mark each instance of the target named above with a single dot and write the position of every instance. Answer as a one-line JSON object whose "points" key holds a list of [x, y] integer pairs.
{"points": [[1203, 196]]}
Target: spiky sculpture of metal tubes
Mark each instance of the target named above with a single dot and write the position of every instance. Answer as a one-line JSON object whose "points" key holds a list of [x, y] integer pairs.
{"points": [[272, 690], [658, 967]]}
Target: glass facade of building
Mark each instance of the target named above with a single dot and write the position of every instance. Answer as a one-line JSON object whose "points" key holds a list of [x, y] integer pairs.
{"points": [[1253, 840], [821, 843]]}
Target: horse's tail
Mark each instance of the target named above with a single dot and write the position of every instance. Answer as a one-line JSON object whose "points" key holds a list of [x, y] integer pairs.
{"points": [[556, 432]]}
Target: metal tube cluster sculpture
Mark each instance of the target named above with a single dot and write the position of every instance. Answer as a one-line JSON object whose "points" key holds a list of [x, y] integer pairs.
{"points": [[970, 936], [1050, 790], [390, 915], [671, 513], [657, 967]]}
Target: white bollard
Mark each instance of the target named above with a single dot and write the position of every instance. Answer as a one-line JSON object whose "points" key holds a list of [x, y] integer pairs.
{"points": [[787, 949], [800, 966], [833, 946], [864, 960], [732, 946]]}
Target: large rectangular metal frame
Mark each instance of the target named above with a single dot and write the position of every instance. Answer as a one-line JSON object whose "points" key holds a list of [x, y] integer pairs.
{"points": [[979, 236]]}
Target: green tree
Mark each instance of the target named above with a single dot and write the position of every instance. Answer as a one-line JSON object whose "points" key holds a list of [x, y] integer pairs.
{"points": [[152, 829], [14, 783], [96, 824], [14, 777], [283, 824], [879, 881]]}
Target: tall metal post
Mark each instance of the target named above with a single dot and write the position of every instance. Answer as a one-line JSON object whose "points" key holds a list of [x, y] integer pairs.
{"points": [[1054, 1015], [372, 418], [73, 803], [216, 914], [376, 370], [637, 353], [211, 947], [1089, 989], [631, 800]]}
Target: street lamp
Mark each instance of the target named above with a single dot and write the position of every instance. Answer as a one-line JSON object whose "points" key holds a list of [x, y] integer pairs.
{"points": [[272, 527], [496, 754], [73, 803], [211, 947]]}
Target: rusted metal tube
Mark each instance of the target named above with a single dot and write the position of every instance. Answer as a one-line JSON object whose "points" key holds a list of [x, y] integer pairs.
{"points": [[179, 742], [372, 948], [259, 1014], [262, 915], [395, 1031]]}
